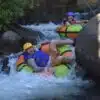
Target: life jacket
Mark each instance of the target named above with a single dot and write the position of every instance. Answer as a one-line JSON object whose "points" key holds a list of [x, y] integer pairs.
{"points": [[73, 31], [27, 56], [22, 61], [63, 50], [41, 58]]}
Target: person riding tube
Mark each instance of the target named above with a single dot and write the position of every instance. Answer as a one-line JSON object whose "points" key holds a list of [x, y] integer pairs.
{"points": [[57, 56], [31, 60], [28, 51], [41, 61], [63, 50], [49, 60], [72, 20]]}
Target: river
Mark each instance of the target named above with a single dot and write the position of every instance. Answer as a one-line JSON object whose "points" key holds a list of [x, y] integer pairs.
{"points": [[24, 86]]}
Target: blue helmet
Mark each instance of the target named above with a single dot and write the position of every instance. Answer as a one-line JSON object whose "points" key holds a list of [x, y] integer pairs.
{"points": [[70, 14]]}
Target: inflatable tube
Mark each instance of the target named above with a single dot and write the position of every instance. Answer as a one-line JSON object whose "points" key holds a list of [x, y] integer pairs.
{"points": [[73, 31], [72, 35], [62, 35], [61, 71], [88, 50], [76, 28], [25, 68], [61, 30]]}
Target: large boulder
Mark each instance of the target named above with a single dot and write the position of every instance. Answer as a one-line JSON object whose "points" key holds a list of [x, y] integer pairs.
{"points": [[88, 48], [11, 36]]}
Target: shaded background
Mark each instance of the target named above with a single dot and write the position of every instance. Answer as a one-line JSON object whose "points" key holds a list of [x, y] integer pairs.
{"points": [[54, 10]]}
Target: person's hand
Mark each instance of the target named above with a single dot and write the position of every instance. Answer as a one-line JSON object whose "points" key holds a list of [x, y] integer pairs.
{"points": [[47, 71]]}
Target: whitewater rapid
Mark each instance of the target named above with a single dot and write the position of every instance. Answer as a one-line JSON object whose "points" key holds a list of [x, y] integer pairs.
{"points": [[25, 86]]}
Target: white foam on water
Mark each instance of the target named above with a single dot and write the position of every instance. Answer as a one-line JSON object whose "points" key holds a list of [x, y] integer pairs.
{"points": [[49, 30], [24, 86]]}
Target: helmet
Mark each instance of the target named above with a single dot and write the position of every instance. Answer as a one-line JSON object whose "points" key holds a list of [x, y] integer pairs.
{"points": [[27, 46], [70, 14]]}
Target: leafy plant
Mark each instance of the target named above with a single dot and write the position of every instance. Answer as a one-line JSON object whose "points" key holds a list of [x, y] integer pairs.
{"points": [[11, 9]]}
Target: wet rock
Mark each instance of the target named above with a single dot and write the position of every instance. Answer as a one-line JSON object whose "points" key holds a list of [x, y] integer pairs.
{"points": [[7, 47], [88, 48], [11, 36]]}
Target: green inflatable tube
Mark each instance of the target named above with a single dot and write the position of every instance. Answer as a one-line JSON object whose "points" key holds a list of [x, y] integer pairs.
{"points": [[74, 28], [61, 70], [25, 68], [62, 35]]}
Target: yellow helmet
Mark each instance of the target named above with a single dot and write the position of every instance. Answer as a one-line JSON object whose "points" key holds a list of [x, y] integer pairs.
{"points": [[27, 46]]}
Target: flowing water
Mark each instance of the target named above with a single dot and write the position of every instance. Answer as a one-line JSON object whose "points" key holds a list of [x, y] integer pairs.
{"points": [[25, 86]]}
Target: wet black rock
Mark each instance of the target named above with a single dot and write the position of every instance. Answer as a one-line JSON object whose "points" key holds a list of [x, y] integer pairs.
{"points": [[10, 36], [87, 48]]}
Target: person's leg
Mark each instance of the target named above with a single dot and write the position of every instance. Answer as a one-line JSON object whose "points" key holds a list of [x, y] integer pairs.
{"points": [[56, 59], [62, 60]]}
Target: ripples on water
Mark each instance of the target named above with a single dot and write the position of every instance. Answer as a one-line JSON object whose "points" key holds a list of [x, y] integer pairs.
{"points": [[25, 86]]}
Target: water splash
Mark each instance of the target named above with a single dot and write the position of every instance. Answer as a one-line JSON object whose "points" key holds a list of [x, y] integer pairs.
{"points": [[49, 30], [25, 86]]}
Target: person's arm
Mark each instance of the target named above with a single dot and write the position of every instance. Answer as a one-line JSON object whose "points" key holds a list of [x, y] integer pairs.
{"points": [[82, 21], [20, 63], [31, 62], [20, 60], [62, 42], [54, 43]]}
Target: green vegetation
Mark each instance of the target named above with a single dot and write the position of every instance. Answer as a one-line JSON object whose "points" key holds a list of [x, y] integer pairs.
{"points": [[12, 9]]}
